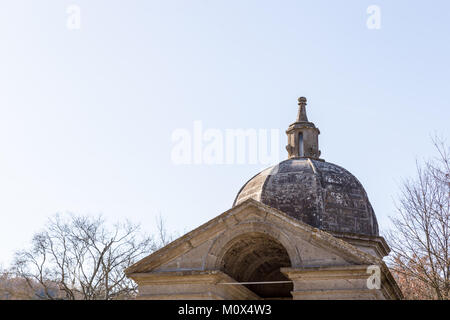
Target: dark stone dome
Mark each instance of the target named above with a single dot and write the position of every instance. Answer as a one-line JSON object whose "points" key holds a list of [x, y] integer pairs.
{"points": [[316, 192]]}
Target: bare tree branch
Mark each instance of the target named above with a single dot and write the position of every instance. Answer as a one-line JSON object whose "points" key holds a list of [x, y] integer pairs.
{"points": [[420, 239], [79, 257]]}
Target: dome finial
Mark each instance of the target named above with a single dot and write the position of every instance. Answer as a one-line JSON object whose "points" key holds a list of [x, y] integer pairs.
{"points": [[303, 141], [302, 110]]}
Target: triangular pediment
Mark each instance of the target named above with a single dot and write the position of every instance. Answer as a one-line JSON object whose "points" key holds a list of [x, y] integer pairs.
{"points": [[200, 248]]}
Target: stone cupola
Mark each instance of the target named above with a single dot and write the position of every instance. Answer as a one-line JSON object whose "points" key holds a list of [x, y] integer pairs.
{"points": [[309, 189], [303, 136], [301, 229]]}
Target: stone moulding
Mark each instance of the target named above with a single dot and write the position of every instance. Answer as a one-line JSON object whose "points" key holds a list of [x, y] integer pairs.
{"points": [[338, 282], [192, 264], [187, 285]]}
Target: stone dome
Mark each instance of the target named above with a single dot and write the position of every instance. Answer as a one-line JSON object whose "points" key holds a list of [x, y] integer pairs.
{"points": [[316, 192]]}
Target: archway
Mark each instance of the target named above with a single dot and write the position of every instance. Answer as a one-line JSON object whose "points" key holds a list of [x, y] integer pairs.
{"points": [[258, 257]]}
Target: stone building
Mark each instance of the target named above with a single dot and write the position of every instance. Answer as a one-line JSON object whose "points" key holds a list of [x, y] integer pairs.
{"points": [[303, 229]]}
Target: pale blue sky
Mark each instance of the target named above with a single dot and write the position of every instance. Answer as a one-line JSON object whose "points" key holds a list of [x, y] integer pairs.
{"points": [[86, 116]]}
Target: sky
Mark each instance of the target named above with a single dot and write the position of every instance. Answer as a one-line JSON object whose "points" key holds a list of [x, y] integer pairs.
{"points": [[89, 106]]}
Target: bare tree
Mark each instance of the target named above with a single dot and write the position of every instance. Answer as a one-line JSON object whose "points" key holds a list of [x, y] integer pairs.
{"points": [[83, 258], [420, 238], [164, 238]]}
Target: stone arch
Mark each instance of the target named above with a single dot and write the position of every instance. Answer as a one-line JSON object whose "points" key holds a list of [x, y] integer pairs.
{"points": [[255, 252]]}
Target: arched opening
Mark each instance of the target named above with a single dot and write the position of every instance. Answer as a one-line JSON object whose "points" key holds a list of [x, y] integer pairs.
{"points": [[301, 151], [257, 257]]}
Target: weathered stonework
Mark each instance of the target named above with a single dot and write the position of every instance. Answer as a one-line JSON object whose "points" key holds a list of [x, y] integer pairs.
{"points": [[303, 229], [253, 242], [303, 136], [316, 192]]}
